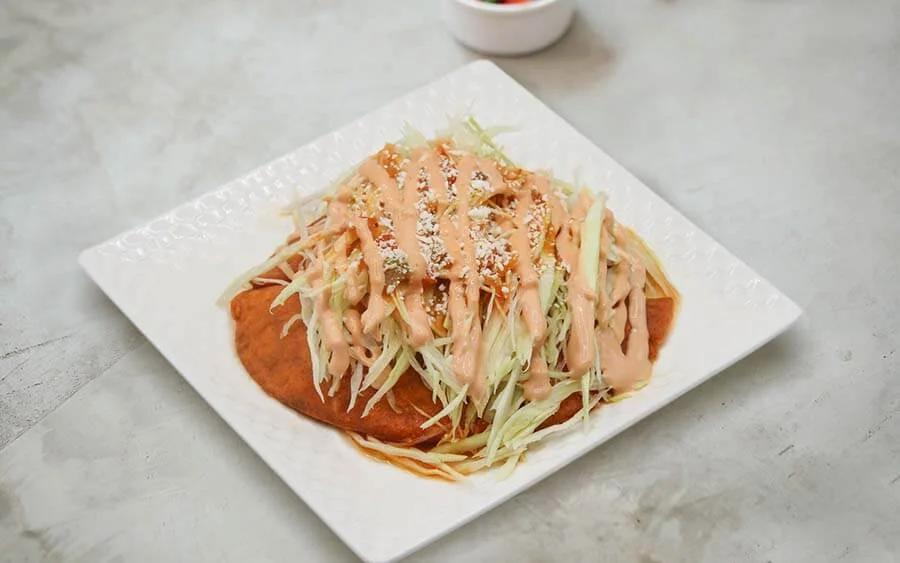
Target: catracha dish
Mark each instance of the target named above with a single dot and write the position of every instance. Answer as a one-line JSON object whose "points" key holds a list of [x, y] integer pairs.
{"points": [[449, 309]]}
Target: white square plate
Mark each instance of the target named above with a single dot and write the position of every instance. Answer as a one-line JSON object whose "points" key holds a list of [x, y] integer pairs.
{"points": [[166, 275]]}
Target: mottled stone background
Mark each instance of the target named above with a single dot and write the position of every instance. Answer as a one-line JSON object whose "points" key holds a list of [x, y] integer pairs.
{"points": [[773, 124]]}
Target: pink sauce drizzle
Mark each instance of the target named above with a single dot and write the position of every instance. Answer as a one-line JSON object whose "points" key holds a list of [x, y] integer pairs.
{"points": [[332, 330], [465, 291], [537, 386], [580, 347], [375, 310], [403, 210], [623, 370]]}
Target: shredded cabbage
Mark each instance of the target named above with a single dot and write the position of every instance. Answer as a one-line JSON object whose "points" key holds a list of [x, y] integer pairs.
{"points": [[400, 365], [465, 445], [412, 138], [243, 280], [525, 420], [449, 409], [355, 385], [413, 453]]}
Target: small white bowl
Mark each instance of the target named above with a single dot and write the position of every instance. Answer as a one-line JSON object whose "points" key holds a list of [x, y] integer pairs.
{"points": [[508, 29]]}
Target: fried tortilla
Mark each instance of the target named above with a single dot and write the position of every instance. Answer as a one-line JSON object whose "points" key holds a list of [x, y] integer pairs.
{"points": [[282, 368]]}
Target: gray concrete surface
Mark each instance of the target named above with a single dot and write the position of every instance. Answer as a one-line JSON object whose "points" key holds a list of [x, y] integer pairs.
{"points": [[773, 125]]}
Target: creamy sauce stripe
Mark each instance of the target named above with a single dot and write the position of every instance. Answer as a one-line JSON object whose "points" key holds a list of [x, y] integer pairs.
{"points": [[466, 358], [376, 309], [623, 370], [581, 346], [537, 386], [467, 335], [331, 331], [419, 327]]}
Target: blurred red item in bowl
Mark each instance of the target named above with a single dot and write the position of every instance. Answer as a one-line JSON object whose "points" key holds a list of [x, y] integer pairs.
{"points": [[508, 27]]}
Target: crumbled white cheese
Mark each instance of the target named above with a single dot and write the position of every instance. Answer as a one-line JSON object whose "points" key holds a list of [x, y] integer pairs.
{"points": [[480, 214]]}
